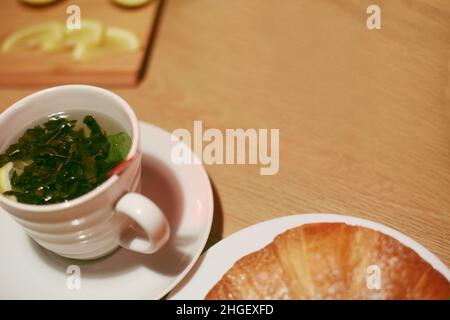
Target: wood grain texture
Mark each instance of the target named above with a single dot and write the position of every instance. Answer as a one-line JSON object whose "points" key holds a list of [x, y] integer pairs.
{"points": [[25, 68], [362, 114]]}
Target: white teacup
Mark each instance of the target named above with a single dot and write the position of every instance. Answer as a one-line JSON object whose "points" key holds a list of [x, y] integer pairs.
{"points": [[97, 222]]}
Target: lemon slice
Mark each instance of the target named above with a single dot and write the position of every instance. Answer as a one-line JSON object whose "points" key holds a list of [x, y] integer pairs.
{"points": [[5, 183], [46, 36], [131, 3], [114, 40], [91, 32], [89, 35], [121, 39], [38, 2]]}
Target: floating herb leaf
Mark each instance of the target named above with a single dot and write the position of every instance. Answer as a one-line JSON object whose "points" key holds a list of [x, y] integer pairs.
{"points": [[119, 145], [62, 163]]}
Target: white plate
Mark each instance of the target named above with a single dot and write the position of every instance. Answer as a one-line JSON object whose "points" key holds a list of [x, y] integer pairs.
{"points": [[27, 271], [218, 259]]}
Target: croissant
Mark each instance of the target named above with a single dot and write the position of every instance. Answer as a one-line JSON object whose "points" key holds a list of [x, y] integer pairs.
{"points": [[332, 261]]}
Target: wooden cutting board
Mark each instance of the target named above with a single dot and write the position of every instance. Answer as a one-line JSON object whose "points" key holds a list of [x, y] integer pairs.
{"points": [[26, 68]]}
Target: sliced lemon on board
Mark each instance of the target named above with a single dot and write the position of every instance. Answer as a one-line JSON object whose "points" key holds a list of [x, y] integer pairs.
{"points": [[5, 183], [131, 3], [92, 39], [115, 40], [46, 36]]}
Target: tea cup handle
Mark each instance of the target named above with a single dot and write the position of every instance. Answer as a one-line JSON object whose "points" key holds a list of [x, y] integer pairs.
{"points": [[149, 217]]}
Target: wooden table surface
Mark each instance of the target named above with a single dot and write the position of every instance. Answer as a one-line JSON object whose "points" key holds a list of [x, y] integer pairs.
{"points": [[362, 114]]}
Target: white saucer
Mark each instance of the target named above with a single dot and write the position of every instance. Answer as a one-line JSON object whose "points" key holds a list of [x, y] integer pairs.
{"points": [[184, 193], [219, 258]]}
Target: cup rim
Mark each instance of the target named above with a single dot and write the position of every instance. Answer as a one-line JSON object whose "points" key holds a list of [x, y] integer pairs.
{"points": [[105, 185]]}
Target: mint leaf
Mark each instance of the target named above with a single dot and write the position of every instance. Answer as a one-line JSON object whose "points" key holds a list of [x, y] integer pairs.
{"points": [[120, 145]]}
